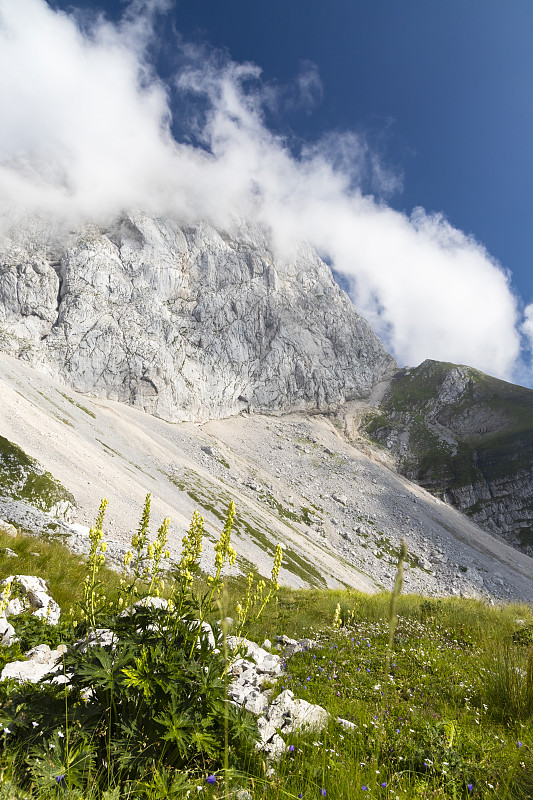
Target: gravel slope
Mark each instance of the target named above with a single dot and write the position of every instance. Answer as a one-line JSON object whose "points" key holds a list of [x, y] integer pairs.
{"points": [[336, 506]]}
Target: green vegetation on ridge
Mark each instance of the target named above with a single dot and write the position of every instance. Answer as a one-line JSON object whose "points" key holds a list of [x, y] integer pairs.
{"points": [[453, 428]]}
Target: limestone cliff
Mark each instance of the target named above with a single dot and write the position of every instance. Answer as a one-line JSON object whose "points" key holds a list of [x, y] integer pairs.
{"points": [[466, 437], [188, 323]]}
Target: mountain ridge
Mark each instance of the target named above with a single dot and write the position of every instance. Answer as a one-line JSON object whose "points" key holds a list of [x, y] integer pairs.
{"points": [[467, 437]]}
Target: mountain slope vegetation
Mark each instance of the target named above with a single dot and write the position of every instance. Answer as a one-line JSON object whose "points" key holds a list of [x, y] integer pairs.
{"points": [[466, 437]]}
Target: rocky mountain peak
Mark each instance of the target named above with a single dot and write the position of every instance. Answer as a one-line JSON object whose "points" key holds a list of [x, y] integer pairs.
{"points": [[186, 322]]}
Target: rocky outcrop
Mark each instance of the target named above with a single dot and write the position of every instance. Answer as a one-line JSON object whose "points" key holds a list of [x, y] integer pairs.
{"points": [[188, 323], [466, 437], [24, 593], [39, 662], [285, 714], [29, 594]]}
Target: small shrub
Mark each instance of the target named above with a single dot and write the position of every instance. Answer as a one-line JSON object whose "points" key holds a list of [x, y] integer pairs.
{"points": [[149, 708]]}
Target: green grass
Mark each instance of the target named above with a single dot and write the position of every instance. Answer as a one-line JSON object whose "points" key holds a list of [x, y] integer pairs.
{"points": [[456, 710], [78, 405], [63, 570], [22, 478]]}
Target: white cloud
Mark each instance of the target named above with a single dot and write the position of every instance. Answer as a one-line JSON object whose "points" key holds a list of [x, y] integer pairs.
{"points": [[527, 326], [86, 131]]}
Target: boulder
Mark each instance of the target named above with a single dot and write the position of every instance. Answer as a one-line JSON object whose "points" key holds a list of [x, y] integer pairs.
{"points": [[101, 637], [7, 632], [29, 593], [40, 661], [8, 529], [307, 717]]}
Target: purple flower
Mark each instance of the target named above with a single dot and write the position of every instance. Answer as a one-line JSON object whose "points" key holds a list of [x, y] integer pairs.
{"points": [[211, 779], [364, 787], [383, 784], [519, 744], [291, 748], [323, 792], [60, 778], [470, 787], [300, 796]]}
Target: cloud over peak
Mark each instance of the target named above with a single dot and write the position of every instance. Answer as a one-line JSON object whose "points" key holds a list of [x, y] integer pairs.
{"points": [[86, 132]]}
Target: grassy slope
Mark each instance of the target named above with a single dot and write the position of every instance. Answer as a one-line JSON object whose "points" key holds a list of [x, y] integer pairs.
{"points": [[480, 456], [455, 721], [22, 478]]}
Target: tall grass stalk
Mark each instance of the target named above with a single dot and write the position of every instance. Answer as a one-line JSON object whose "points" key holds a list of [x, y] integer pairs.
{"points": [[222, 605], [393, 608]]}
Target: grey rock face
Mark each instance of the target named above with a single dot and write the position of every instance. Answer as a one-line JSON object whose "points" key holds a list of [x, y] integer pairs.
{"points": [[186, 323], [468, 438]]}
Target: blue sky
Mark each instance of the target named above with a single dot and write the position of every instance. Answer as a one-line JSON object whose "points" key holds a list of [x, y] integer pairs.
{"points": [[420, 103], [444, 90]]}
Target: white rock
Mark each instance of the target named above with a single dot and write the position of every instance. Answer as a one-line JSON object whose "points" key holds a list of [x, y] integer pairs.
{"points": [[256, 703], [145, 602], [101, 637], [266, 729], [14, 607], [7, 632], [40, 654], [346, 723], [249, 677], [271, 664], [293, 339], [306, 717], [81, 530], [276, 747], [281, 710], [41, 661], [22, 671], [8, 529], [35, 597]]}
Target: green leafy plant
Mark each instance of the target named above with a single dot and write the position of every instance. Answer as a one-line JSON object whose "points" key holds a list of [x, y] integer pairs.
{"points": [[147, 695]]}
